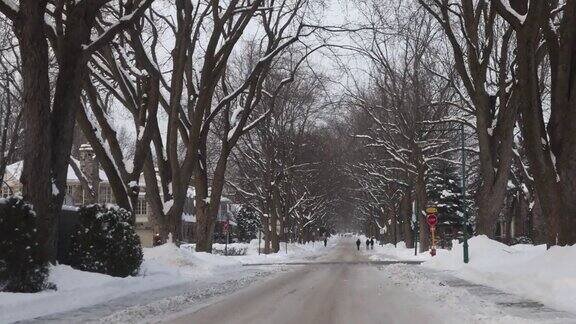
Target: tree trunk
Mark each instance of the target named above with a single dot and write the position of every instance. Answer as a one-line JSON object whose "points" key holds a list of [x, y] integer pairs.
{"points": [[406, 215], [204, 223], [541, 165], [37, 174], [420, 188], [487, 217], [274, 221]]}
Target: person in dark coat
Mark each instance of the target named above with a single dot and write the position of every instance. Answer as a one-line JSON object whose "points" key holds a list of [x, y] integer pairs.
{"points": [[325, 241], [358, 244], [367, 244], [372, 244]]}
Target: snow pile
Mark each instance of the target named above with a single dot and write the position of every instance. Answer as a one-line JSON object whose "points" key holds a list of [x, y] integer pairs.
{"points": [[388, 251], [75, 289], [399, 252], [292, 252], [295, 251], [163, 266], [169, 259], [458, 305], [547, 276]]}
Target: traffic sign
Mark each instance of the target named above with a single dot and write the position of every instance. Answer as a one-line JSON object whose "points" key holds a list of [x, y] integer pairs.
{"points": [[432, 220], [226, 225], [431, 210]]}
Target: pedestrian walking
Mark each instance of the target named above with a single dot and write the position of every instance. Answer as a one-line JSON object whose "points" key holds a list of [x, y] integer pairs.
{"points": [[358, 244], [372, 244], [325, 241], [367, 244]]}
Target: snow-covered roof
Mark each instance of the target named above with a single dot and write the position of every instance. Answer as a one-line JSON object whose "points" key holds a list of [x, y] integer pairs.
{"points": [[14, 171]]}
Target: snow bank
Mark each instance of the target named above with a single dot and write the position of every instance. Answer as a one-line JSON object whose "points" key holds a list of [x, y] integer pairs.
{"points": [[163, 266], [547, 276], [292, 252], [75, 289], [168, 259], [400, 252]]}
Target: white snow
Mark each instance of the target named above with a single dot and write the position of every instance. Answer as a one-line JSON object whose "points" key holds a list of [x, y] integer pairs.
{"points": [[457, 304], [11, 4], [547, 276], [506, 4], [167, 206], [55, 190], [163, 266], [388, 252]]}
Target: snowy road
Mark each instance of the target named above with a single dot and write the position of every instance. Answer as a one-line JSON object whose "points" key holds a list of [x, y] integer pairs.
{"points": [[345, 289]]}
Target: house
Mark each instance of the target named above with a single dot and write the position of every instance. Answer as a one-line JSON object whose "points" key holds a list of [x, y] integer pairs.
{"points": [[76, 195], [226, 214], [89, 169]]}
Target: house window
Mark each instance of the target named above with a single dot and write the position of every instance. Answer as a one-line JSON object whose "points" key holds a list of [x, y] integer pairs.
{"points": [[105, 196], [141, 207], [69, 189], [5, 191]]}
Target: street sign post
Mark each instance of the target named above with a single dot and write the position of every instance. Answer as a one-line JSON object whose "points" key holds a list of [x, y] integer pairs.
{"points": [[465, 215], [432, 220]]}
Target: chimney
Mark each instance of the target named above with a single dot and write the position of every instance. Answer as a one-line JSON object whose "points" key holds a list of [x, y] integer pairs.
{"points": [[89, 167]]}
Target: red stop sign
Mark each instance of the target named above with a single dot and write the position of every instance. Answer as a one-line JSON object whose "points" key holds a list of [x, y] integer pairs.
{"points": [[432, 219]]}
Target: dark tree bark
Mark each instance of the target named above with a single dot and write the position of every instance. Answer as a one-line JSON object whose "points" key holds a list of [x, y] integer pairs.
{"points": [[49, 129], [551, 147], [37, 171], [421, 201], [473, 54], [406, 215]]}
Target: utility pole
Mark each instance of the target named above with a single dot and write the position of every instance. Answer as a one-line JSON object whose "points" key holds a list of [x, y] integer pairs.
{"points": [[416, 227], [395, 229], [259, 237], [464, 214]]}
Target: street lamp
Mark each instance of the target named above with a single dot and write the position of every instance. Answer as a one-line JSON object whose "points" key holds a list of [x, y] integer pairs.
{"points": [[465, 216]]}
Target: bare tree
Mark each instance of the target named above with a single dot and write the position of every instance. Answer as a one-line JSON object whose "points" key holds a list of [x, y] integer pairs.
{"points": [[269, 160], [546, 29], [10, 94], [405, 101], [50, 115], [481, 43]]}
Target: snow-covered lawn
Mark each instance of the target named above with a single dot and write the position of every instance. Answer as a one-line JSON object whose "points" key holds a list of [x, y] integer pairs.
{"points": [[533, 272], [163, 266]]}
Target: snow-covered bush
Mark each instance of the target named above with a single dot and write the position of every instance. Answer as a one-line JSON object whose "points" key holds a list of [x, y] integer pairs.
{"points": [[21, 265], [105, 242]]}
